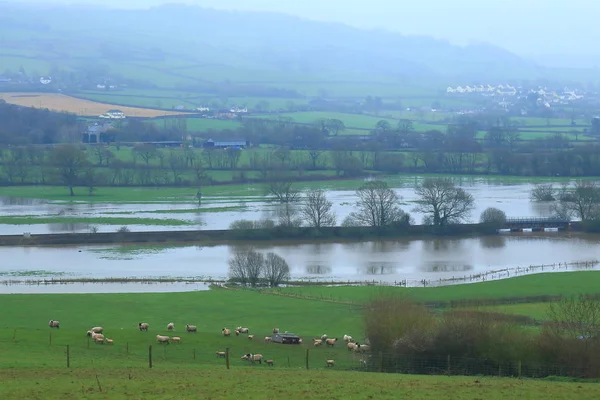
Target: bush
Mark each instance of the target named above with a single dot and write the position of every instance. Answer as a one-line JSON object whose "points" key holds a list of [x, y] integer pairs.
{"points": [[123, 229], [543, 192], [493, 216]]}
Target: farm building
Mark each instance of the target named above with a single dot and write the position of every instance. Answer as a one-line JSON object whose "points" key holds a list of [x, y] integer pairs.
{"points": [[211, 144], [97, 133], [113, 114], [285, 338]]}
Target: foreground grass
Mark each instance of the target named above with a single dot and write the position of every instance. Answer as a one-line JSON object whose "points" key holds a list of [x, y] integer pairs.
{"points": [[259, 383], [555, 283]]}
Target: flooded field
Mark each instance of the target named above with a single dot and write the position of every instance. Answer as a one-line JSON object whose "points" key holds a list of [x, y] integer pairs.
{"points": [[219, 212], [382, 260]]}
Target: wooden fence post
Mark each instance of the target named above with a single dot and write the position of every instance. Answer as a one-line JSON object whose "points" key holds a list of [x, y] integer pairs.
{"points": [[519, 369], [289, 364], [68, 358], [448, 364], [307, 359], [194, 354], [14, 334], [227, 357], [150, 356], [127, 348], [50, 338]]}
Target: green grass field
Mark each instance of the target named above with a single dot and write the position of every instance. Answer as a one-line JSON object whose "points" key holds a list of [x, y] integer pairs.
{"points": [[259, 383]]}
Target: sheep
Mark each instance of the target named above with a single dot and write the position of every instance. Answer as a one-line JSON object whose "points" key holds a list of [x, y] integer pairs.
{"points": [[243, 330], [253, 358], [275, 330], [221, 354], [170, 326], [331, 342], [250, 337], [237, 333], [176, 339], [351, 346], [324, 337], [143, 326], [54, 324], [330, 363], [226, 332], [96, 329], [109, 341], [97, 336], [162, 339], [361, 348], [270, 363], [300, 341], [348, 338], [99, 340], [317, 343], [191, 328], [363, 363], [268, 339]]}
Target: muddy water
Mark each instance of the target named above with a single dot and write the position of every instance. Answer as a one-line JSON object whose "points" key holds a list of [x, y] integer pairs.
{"points": [[513, 199], [383, 260], [102, 288]]}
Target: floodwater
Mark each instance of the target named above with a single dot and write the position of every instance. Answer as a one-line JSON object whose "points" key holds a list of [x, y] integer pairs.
{"points": [[513, 199], [104, 287], [380, 260]]}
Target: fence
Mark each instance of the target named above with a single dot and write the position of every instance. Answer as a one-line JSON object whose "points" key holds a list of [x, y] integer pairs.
{"points": [[54, 352]]}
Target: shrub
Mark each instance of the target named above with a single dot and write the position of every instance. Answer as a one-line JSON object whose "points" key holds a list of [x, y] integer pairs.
{"points": [[493, 216], [542, 192]]}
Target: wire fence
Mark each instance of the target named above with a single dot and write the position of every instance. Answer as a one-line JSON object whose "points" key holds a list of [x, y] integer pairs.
{"points": [[86, 353]]}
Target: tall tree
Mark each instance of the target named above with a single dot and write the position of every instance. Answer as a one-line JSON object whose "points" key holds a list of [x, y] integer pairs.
{"points": [[317, 210], [276, 270], [583, 201], [246, 266], [377, 207], [70, 161], [442, 202]]}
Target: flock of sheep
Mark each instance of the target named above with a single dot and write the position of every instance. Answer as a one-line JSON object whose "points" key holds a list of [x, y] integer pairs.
{"points": [[96, 333]]}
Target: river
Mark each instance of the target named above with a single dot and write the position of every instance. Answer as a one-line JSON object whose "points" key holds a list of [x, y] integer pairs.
{"points": [[380, 260]]}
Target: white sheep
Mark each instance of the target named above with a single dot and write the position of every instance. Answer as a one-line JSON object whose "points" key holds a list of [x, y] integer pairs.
{"points": [[226, 332], [331, 342], [143, 326], [109, 341], [237, 333], [99, 340], [330, 363], [250, 337], [176, 339], [253, 358], [170, 326], [162, 339], [191, 328], [270, 363], [324, 337], [221, 354], [268, 339], [275, 330], [54, 324], [97, 336], [243, 330], [361, 348], [351, 346], [96, 329], [347, 338], [317, 342]]}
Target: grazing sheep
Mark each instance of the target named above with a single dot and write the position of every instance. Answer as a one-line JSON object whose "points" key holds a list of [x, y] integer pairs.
{"points": [[162, 339], [54, 324], [300, 340], [226, 332], [324, 337], [96, 329], [250, 337], [176, 339], [171, 326], [351, 346], [99, 340], [237, 333], [330, 363], [109, 341], [347, 338], [361, 348], [97, 336], [143, 326], [270, 363], [331, 342], [275, 330], [191, 328], [268, 339], [221, 354], [243, 330], [317, 343], [253, 358]]}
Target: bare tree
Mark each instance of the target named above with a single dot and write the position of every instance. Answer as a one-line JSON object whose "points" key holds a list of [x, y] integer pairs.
{"points": [[283, 191], [442, 202], [246, 266], [70, 162], [583, 201], [575, 317], [316, 209], [276, 271], [288, 215], [377, 207], [542, 192], [146, 152]]}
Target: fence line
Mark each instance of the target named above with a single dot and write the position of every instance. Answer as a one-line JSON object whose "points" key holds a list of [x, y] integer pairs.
{"points": [[308, 358]]}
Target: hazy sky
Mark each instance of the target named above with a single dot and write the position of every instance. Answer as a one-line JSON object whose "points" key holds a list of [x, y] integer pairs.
{"points": [[522, 26]]}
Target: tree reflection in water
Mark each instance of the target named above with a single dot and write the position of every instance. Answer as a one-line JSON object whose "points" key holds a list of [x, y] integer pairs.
{"points": [[378, 268], [318, 269], [493, 242]]}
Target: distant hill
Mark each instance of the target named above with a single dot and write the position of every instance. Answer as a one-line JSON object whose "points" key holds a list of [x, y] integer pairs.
{"points": [[179, 45]]}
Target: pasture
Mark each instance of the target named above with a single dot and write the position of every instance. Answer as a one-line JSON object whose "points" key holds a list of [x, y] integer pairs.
{"points": [[63, 103]]}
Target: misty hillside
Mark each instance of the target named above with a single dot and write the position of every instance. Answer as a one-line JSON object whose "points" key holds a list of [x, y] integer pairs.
{"points": [[178, 45]]}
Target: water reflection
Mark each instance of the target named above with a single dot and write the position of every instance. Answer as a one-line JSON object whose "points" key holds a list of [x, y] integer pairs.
{"points": [[20, 201], [318, 269], [378, 268], [442, 245], [434, 266], [68, 227], [493, 242]]}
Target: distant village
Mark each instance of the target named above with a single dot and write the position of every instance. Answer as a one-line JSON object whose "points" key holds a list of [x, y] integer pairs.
{"points": [[545, 96]]}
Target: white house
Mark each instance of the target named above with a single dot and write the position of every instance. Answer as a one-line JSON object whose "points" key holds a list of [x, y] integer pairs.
{"points": [[203, 109], [45, 80], [113, 114], [238, 110]]}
